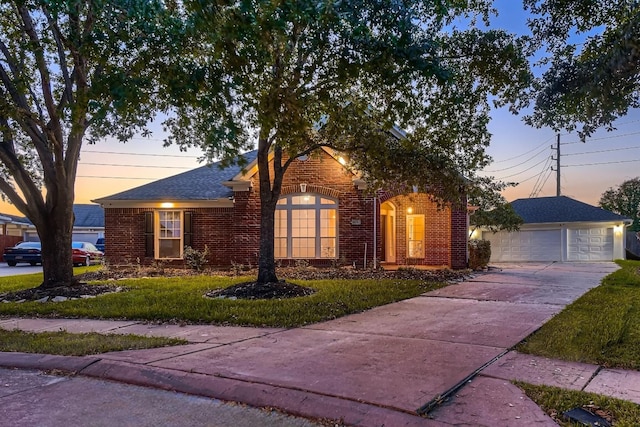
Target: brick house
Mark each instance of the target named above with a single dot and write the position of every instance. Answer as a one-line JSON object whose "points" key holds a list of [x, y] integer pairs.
{"points": [[324, 216]]}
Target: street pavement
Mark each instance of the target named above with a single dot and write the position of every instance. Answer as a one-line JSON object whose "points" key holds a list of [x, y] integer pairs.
{"points": [[31, 398], [19, 269], [445, 354]]}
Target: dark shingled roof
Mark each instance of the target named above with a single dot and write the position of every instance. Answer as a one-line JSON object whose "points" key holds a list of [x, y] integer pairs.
{"points": [[203, 183], [16, 218], [560, 209], [88, 215]]}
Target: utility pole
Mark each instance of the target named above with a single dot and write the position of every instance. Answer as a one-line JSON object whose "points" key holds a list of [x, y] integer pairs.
{"points": [[557, 159]]}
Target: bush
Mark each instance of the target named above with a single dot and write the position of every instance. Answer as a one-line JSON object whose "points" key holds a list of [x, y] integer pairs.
{"points": [[196, 259], [479, 254]]}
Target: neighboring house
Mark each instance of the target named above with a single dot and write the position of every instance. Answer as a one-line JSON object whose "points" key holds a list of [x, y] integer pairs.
{"points": [[88, 225], [324, 216], [13, 225], [560, 229], [12, 230]]}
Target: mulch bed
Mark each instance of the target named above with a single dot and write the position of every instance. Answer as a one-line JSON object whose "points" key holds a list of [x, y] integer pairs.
{"points": [[75, 291], [254, 290]]}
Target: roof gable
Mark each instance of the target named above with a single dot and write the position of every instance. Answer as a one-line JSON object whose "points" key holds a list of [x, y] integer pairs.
{"points": [[561, 209], [251, 169], [203, 183]]}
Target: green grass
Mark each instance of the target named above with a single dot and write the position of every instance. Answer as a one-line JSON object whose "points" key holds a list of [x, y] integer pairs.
{"points": [[555, 400], [601, 327], [67, 344], [181, 300]]}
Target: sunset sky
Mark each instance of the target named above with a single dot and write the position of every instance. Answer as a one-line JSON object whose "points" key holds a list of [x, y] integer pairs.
{"points": [[520, 154]]}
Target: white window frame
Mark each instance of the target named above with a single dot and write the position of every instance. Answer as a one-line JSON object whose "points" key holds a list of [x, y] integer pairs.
{"points": [[318, 207], [157, 233]]}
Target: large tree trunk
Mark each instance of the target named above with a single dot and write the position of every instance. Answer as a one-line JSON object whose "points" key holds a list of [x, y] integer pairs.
{"points": [[269, 194], [266, 262], [56, 236]]}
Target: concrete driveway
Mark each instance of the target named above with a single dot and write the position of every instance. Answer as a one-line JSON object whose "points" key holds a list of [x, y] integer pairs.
{"points": [[373, 368]]}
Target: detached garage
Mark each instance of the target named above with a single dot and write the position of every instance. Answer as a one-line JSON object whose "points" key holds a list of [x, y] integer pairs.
{"points": [[560, 229]]}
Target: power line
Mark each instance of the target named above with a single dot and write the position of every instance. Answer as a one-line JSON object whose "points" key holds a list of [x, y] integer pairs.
{"points": [[604, 163], [535, 194], [519, 164], [545, 169], [602, 151], [141, 154], [116, 177], [602, 138], [134, 166], [528, 169], [525, 153]]}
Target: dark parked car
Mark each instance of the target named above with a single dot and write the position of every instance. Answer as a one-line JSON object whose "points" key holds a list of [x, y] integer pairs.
{"points": [[100, 244], [84, 253], [28, 252]]}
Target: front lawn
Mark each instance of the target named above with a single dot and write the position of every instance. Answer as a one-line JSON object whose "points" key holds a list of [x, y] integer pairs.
{"points": [[602, 327], [64, 343], [555, 401], [180, 299]]}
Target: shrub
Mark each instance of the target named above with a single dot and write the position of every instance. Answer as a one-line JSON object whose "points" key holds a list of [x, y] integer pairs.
{"points": [[479, 253], [196, 259]]}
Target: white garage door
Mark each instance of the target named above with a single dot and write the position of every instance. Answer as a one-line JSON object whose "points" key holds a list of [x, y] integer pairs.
{"points": [[590, 244], [538, 245]]}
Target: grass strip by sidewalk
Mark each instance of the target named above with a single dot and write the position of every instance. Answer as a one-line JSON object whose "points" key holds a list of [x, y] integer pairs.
{"points": [[180, 299], [555, 401], [67, 344], [601, 327]]}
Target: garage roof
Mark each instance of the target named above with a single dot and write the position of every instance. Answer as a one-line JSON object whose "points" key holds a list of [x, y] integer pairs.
{"points": [[561, 209]]}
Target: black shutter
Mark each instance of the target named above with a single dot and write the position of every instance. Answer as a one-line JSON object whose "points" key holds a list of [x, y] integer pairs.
{"points": [[188, 229], [148, 235]]}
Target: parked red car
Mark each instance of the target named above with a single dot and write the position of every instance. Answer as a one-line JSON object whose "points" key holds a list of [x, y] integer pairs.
{"points": [[85, 253]]}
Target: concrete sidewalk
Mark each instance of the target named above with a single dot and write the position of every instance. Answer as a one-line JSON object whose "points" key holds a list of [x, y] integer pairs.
{"points": [[374, 368]]}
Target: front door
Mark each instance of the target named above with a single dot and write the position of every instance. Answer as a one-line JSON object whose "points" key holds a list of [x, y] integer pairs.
{"points": [[388, 232]]}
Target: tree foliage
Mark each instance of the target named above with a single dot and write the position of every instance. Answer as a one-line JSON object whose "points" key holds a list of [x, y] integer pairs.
{"points": [[590, 84], [624, 200], [492, 211], [298, 75], [69, 71]]}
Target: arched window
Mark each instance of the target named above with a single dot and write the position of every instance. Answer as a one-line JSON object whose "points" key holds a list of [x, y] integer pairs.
{"points": [[306, 226]]}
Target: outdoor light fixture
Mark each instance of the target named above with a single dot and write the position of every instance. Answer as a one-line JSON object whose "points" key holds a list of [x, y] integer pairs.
{"points": [[303, 188], [166, 205], [617, 229], [409, 210]]}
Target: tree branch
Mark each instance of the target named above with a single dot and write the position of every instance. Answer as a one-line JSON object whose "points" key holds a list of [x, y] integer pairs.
{"points": [[67, 95], [53, 127], [17, 170]]}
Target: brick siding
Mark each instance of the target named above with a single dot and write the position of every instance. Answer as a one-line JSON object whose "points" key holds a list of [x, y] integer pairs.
{"points": [[233, 234]]}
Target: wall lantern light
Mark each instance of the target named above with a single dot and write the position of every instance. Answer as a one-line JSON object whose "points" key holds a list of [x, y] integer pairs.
{"points": [[303, 188]]}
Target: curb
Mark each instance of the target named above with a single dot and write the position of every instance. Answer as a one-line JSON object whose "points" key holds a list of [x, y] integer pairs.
{"points": [[292, 401]]}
